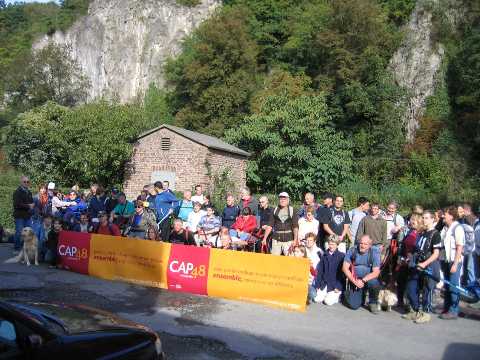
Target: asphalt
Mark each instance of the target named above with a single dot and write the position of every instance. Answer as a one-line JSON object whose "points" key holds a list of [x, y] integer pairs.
{"points": [[200, 327]]}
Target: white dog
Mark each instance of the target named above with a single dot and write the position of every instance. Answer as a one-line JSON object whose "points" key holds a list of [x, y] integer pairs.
{"points": [[387, 299], [29, 251]]}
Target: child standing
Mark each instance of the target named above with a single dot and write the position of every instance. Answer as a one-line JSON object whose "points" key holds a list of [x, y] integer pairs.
{"points": [[301, 252]]}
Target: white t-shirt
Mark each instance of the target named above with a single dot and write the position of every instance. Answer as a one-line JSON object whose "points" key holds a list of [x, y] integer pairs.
{"points": [[194, 218], [392, 221], [198, 198], [355, 216], [451, 237], [305, 227]]}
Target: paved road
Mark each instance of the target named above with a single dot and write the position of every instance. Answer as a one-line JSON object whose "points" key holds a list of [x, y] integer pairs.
{"points": [[198, 327]]}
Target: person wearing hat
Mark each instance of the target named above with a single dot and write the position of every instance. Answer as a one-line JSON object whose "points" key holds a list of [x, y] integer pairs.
{"points": [[283, 224]]}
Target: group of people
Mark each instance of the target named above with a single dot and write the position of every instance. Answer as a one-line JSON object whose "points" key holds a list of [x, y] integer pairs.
{"points": [[352, 254]]}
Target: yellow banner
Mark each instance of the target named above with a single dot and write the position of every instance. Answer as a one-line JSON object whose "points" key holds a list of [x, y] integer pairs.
{"points": [[137, 261], [267, 279]]}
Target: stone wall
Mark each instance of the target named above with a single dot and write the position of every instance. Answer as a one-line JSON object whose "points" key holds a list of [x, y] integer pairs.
{"points": [[186, 158]]}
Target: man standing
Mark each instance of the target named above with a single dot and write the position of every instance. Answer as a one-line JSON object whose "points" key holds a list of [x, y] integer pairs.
{"points": [[309, 202], [375, 227], [230, 212], [284, 223], [323, 214], [22, 209], [395, 222], [165, 203], [198, 197], [361, 266], [357, 214], [337, 223], [247, 200], [185, 206]]}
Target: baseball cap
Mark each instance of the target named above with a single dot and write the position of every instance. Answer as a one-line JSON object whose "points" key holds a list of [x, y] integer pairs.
{"points": [[51, 186], [283, 194]]}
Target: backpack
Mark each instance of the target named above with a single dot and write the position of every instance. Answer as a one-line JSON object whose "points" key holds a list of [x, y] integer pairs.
{"points": [[290, 212], [369, 260], [469, 246]]}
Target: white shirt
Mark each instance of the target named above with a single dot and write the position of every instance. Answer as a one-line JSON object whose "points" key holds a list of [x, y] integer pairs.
{"points": [[305, 227], [313, 255], [194, 219], [198, 198], [392, 221], [451, 237]]}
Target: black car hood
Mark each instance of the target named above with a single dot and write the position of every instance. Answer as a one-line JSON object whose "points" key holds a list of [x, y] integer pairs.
{"points": [[75, 319]]}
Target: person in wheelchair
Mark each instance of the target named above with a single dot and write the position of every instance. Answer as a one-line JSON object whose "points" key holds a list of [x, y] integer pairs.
{"points": [[208, 228]]}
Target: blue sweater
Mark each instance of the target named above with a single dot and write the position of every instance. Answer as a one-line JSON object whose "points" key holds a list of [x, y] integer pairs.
{"points": [[329, 271], [164, 202], [229, 215]]}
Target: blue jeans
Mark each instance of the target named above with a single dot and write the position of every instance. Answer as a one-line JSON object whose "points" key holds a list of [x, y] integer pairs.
{"points": [[469, 267], [354, 297], [312, 293], [242, 236], [418, 283], [452, 297], [19, 225]]}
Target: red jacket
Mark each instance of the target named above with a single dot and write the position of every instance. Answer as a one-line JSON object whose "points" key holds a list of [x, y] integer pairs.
{"points": [[245, 225]]}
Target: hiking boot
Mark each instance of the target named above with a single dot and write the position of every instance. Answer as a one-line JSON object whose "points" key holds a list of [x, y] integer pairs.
{"points": [[422, 318], [411, 315], [449, 316], [373, 308]]}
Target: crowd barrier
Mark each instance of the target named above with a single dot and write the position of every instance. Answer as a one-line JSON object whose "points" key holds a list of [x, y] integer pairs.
{"points": [[272, 280]]}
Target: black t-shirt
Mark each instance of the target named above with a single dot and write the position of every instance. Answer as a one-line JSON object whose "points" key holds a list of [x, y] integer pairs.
{"points": [[185, 238], [336, 220], [427, 242]]}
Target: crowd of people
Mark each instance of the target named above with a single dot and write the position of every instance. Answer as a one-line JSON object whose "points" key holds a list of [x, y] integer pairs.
{"points": [[353, 254]]}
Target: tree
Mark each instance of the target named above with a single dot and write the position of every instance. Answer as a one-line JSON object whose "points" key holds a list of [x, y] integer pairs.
{"points": [[50, 74], [213, 79], [293, 147]]}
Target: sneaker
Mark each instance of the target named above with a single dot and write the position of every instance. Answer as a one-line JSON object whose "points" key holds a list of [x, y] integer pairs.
{"points": [[449, 316], [411, 315], [373, 308], [422, 318]]}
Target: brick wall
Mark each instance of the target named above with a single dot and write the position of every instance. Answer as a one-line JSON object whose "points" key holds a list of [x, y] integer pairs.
{"points": [[185, 158]]}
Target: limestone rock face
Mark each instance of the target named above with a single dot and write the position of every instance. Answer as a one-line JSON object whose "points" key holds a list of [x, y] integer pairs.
{"points": [[121, 45]]}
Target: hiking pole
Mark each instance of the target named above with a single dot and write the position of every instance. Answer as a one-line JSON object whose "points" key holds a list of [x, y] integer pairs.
{"points": [[469, 297]]}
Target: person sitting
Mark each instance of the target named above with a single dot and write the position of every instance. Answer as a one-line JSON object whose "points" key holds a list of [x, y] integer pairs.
{"points": [[224, 239], [330, 278], [59, 205], [153, 233], [185, 206], [361, 266], [83, 224], [307, 224], [194, 218], [313, 251], [104, 227], [122, 212], [179, 235], [73, 212], [207, 229], [230, 212], [141, 221], [243, 227]]}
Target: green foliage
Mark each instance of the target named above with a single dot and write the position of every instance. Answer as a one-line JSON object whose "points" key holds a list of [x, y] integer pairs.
{"points": [[50, 74], [222, 185], [399, 10], [294, 148], [189, 3], [87, 143], [214, 77], [9, 181], [156, 106]]}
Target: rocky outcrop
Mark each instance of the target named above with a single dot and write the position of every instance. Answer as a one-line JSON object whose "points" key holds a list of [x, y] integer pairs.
{"points": [[416, 64], [122, 45]]}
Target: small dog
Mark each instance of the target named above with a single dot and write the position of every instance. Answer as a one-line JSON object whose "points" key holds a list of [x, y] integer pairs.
{"points": [[387, 299], [29, 251]]}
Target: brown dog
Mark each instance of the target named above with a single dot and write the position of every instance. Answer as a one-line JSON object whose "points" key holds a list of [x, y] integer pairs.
{"points": [[29, 251]]}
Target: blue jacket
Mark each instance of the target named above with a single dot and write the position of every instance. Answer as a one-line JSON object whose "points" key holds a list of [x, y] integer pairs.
{"points": [[229, 215], [164, 202], [96, 204], [329, 271]]}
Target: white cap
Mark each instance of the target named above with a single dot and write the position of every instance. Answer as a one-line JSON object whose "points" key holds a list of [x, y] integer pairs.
{"points": [[284, 194], [51, 186]]}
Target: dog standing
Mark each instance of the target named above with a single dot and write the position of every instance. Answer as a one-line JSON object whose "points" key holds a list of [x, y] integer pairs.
{"points": [[29, 252]]}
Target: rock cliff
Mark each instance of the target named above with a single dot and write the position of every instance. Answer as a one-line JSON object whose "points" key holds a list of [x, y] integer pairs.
{"points": [[122, 45]]}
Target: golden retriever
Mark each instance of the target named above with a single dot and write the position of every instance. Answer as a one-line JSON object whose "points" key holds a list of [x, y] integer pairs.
{"points": [[29, 251]]}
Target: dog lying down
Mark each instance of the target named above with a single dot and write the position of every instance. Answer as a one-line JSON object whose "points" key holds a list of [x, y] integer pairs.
{"points": [[29, 252]]}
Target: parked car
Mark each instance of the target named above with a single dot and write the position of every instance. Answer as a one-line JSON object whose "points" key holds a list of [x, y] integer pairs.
{"points": [[58, 331]]}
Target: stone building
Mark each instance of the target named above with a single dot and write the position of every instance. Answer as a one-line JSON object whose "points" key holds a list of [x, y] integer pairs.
{"points": [[184, 158]]}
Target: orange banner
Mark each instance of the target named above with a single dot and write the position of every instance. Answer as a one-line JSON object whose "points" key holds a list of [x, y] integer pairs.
{"points": [[273, 280], [137, 261]]}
